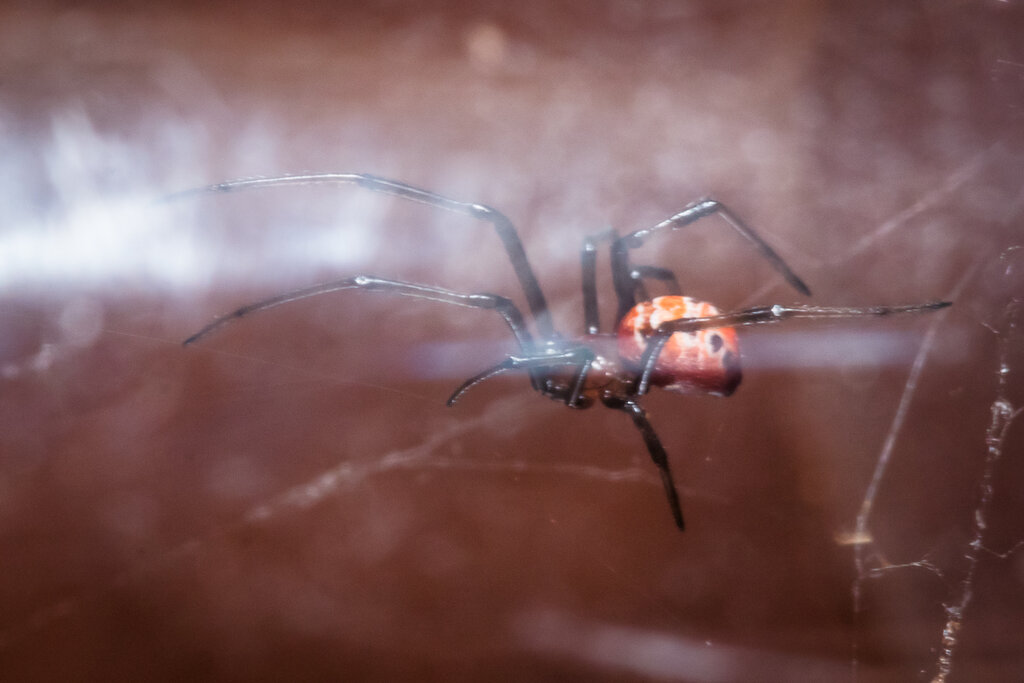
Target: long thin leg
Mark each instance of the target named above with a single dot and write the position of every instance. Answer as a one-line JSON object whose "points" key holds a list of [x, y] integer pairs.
{"points": [[505, 307], [657, 451], [648, 361], [502, 225], [579, 356], [502, 305], [759, 316], [641, 273], [777, 313], [588, 269], [626, 285]]}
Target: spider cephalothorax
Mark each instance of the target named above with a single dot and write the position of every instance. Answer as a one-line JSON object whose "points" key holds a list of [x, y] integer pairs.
{"points": [[673, 342]]}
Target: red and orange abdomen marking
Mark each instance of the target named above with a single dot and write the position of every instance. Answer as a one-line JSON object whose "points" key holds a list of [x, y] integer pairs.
{"points": [[706, 361]]}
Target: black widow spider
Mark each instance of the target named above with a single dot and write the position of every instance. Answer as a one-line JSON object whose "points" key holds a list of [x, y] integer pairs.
{"points": [[673, 342]]}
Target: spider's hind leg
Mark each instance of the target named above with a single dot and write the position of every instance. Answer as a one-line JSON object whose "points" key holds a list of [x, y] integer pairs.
{"points": [[628, 280], [639, 273], [762, 315]]}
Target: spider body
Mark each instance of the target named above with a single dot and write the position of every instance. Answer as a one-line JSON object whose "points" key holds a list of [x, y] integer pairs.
{"points": [[606, 375], [702, 362], [673, 342]]}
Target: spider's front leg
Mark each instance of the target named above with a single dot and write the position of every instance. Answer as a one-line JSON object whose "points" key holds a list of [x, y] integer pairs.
{"points": [[502, 305], [579, 357]]}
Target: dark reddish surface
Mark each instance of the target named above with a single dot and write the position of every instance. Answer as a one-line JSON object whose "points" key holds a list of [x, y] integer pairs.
{"points": [[292, 500]]}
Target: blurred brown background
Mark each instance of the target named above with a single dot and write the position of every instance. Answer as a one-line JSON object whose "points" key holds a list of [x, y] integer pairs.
{"points": [[291, 499]]}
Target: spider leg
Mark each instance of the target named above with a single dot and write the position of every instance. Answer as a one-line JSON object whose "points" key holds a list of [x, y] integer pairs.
{"points": [[773, 314], [758, 316], [657, 451], [588, 277], [505, 307], [502, 225], [653, 349], [640, 273], [588, 262], [626, 284], [579, 356]]}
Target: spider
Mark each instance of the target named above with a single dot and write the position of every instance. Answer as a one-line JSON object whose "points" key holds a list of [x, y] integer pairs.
{"points": [[673, 342]]}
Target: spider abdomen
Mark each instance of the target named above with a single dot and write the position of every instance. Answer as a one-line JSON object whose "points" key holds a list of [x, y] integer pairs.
{"points": [[705, 362]]}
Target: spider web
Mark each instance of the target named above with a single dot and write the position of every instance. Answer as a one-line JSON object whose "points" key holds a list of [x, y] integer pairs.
{"points": [[626, 648], [670, 641], [870, 559]]}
